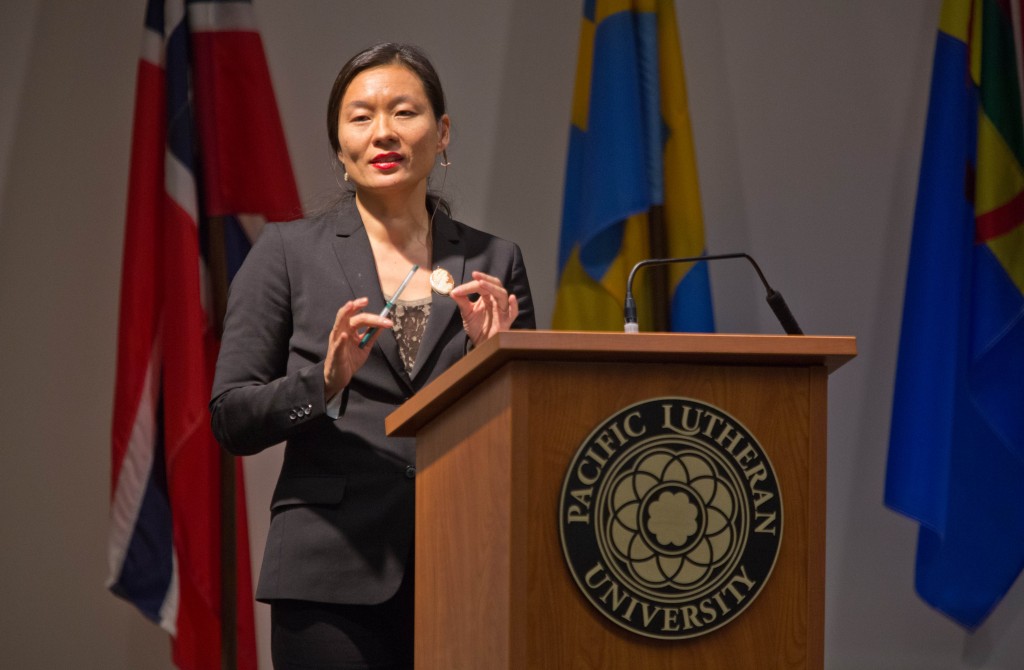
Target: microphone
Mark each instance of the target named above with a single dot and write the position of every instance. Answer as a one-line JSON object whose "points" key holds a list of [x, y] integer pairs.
{"points": [[773, 297]]}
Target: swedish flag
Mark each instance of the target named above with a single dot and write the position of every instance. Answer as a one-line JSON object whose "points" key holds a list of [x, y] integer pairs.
{"points": [[631, 187]]}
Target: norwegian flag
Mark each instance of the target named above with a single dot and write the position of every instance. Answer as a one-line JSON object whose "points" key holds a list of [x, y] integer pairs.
{"points": [[209, 164]]}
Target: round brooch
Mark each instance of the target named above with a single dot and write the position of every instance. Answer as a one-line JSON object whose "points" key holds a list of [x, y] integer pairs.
{"points": [[441, 281]]}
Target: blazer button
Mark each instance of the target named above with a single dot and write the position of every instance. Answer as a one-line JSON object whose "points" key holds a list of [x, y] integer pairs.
{"points": [[410, 471], [292, 415]]}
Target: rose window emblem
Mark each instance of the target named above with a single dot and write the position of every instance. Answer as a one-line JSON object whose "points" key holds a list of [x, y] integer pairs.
{"points": [[672, 520]]}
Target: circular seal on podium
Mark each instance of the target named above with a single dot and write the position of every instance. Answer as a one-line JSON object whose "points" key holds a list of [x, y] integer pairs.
{"points": [[671, 518]]}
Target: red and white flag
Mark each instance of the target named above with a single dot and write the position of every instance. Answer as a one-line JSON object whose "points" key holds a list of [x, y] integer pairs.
{"points": [[208, 153]]}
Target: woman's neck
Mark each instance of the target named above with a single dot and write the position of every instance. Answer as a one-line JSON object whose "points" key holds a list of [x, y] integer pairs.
{"points": [[395, 221]]}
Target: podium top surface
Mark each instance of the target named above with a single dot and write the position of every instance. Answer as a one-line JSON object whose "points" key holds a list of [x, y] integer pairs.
{"points": [[542, 345]]}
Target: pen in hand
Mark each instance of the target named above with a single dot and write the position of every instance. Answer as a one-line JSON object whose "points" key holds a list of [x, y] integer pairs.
{"points": [[388, 306]]}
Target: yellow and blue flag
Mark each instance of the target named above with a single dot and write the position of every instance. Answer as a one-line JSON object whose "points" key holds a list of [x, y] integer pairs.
{"points": [[956, 450], [631, 188]]}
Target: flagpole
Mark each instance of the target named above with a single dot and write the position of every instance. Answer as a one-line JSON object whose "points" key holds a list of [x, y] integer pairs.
{"points": [[229, 555], [658, 274], [228, 573]]}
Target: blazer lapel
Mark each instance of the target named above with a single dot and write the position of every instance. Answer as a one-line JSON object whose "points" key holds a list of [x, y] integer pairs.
{"points": [[447, 253], [352, 249]]}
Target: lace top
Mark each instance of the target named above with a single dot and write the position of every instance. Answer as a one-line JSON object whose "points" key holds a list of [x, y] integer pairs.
{"points": [[410, 319]]}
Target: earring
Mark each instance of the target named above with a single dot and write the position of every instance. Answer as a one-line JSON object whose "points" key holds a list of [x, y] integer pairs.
{"points": [[346, 176], [444, 158]]}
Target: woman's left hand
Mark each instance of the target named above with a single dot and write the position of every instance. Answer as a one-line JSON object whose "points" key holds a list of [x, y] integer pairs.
{"points": [[493, 312]]}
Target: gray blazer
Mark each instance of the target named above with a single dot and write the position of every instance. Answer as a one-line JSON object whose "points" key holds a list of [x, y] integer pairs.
{"points": [[342, 513]]}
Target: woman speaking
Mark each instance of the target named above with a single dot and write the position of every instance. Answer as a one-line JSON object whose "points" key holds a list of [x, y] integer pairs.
{"points": [[332, 322]]}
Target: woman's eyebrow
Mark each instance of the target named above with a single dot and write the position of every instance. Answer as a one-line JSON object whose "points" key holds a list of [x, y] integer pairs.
{"points": [[397, 100]]}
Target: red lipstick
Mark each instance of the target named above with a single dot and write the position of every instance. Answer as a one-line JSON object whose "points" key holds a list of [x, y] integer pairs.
{"points": [[386, 161]]}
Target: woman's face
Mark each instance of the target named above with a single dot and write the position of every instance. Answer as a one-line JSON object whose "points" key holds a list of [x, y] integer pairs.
{"points": [[388, 134]]}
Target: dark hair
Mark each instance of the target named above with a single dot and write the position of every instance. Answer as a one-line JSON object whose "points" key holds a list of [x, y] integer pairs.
{"points": [[379, 55]]}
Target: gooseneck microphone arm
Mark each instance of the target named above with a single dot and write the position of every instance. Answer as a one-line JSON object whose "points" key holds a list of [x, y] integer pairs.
{"points": [[773, 297]]}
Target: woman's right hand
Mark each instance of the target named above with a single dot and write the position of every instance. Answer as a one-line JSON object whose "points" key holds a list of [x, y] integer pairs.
{"points": [[344, 356]]}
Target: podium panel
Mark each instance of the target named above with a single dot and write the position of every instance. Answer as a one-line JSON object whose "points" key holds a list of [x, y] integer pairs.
{"points": [[495, 436]]}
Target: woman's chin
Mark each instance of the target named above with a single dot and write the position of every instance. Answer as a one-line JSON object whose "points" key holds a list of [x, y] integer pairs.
{"points": [[397, 181]]}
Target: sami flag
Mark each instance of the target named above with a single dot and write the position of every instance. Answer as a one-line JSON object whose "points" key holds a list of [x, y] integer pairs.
{"points": [[631, 187], [956, 450], [208, 159]]}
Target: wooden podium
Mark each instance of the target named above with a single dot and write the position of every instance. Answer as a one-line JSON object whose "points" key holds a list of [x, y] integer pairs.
{"points": [[495, 436]]}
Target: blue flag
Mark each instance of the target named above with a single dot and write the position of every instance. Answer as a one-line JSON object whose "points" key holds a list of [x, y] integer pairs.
{"points": [[956, 451]]}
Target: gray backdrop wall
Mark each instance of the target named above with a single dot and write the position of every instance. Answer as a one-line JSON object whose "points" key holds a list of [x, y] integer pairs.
{"points": [[808, 117]]}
